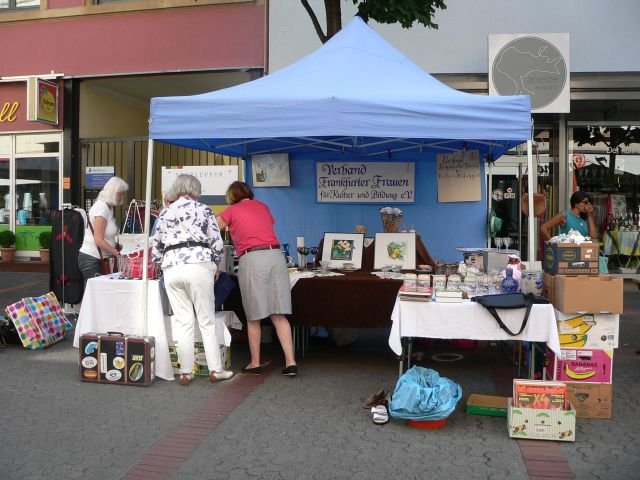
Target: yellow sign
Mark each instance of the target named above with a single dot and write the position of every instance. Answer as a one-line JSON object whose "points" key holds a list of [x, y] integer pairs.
{"points": [[47, 102], [42, 101], [8, 111]]}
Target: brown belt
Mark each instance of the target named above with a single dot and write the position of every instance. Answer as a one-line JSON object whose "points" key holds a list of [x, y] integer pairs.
{"points": [[261, 247]]}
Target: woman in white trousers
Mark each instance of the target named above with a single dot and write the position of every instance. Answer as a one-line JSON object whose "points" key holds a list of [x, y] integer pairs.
{"points": [[188, 245]]}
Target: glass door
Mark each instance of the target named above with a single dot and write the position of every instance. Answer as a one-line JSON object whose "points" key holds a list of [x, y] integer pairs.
{"points": [[509, 184]]}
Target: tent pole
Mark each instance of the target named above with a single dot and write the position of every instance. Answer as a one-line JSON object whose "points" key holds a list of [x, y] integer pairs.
{"points": [[489, 201], [145, 257], [530, 188]]}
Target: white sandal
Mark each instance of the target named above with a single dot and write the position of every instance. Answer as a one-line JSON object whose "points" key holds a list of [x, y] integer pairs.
{"points": [[380, 414]]}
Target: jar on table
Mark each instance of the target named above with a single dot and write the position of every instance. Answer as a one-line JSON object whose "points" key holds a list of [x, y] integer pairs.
{"points": [[410, 281], [424, 282]]}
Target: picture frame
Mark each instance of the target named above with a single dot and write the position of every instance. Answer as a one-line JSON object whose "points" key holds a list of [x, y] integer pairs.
{"points": [[395, 249], [340, 248], [270, 170]]}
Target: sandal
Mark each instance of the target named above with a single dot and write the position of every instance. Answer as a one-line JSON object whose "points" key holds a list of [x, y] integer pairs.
{"points": [[380, 414], [374, 399]]}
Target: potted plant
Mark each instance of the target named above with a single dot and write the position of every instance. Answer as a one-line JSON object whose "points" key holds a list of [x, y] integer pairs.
{"points": [[45, 241], [7, 242]]}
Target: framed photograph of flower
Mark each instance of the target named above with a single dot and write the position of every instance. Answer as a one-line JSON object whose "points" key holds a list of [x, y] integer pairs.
{"points": [[395, 249], [343, 248]]}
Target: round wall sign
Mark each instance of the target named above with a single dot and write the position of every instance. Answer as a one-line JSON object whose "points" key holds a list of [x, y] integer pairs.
{"points": [[530, 66]]}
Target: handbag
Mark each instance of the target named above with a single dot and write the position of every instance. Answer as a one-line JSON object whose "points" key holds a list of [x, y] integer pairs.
{"points": [[509, 301]]}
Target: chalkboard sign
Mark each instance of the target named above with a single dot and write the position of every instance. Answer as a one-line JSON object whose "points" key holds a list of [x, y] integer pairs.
{"points": [[459, 177]]}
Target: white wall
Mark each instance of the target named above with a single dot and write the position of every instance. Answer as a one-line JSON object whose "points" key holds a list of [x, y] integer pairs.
{"points": [[604, 34]]}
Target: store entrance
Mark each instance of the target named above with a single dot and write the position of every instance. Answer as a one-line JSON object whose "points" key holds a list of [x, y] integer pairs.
{"points": [[509, 186]]}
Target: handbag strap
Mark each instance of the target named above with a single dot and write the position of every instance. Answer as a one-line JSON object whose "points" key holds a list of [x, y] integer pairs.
{"points": [[94, 237], [173, 210], [495, 315]]}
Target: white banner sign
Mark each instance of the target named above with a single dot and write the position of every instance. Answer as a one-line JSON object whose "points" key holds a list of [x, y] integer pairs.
{"points": [[365, 182], [215, 180]]}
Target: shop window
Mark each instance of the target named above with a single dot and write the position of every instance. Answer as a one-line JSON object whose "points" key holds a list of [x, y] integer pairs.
{"points": [[605, 162], [29, 185], [5, 198], [18, 4]]}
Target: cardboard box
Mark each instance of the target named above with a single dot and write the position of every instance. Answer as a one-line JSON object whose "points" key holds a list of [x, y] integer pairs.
{"points": [[487, 405], [580, 365], [549, 287], [580, 293], [591, 400], [588, 330], [200, 368], [536, 424], [486, 259], [571, 258]]}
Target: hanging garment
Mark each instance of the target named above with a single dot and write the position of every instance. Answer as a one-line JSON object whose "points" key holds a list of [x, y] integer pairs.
{"points": [[65, 278]]}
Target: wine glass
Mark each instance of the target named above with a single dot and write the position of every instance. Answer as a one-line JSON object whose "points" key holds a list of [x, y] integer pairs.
{"points": [[507, 242], [313, 251], [499, 243], [303, 251]]}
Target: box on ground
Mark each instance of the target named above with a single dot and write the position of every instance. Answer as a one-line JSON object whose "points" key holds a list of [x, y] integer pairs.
{"points": [[117, 358], [487, 405], [580, 365], [581, 293], [588, 330], [537, 424], [591, 400], [200, 366], [571, 258]]}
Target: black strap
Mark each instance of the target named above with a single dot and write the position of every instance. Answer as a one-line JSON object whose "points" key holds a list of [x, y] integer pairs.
{"points": [[186, 245], [94, 237], [493, 312]]}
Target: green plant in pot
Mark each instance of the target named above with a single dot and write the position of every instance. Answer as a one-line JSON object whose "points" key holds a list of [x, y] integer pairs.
{"points": [[7, 242], [45, 241]]}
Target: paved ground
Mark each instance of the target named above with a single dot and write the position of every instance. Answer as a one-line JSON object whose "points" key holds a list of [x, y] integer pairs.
{"points": [[310, 427]]}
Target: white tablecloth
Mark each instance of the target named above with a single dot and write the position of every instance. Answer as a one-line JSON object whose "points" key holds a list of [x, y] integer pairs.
{"points": [[468, 320], [113, 305]]}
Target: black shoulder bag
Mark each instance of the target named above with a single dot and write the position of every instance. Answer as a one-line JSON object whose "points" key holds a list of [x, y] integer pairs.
{"points": [[509, 301]]}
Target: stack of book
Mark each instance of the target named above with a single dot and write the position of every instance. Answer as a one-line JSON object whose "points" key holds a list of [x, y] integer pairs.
{"points": [[415, 295], [539, 394], [448, 295]]}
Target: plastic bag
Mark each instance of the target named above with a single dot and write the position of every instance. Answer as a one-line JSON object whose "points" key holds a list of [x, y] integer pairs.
{"points": [[422, 394]]}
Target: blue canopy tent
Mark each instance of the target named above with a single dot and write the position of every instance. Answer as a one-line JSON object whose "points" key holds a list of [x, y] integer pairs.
{"points": [[356, 94]]}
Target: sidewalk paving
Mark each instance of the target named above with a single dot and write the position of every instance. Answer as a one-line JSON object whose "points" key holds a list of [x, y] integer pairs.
{"points": [[275, 427]]}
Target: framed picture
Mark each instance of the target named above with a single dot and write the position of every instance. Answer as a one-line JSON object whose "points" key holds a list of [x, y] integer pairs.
{"points": [[341, 248], [270, 170], [395, 249]]}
